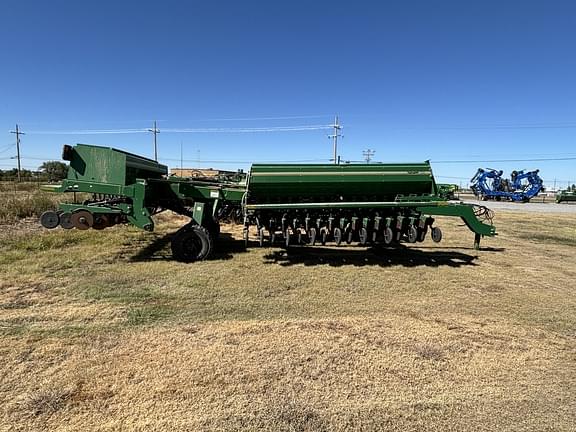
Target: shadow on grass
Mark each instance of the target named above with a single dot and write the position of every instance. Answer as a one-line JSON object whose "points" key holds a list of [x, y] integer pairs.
{"points": [[227, 247], [482, 248], [159, 249], [383, 257]]}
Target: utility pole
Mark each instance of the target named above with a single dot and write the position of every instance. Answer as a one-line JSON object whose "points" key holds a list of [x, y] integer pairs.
{"points": [[155, 131], [18, 133], [368, 155], [181, 159], [334, 137]]}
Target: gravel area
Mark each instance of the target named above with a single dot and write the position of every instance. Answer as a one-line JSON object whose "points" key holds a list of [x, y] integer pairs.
{"points": [[527, 207]]}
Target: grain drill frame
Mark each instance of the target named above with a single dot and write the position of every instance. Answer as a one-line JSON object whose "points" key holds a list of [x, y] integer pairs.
{"points": [[299, 204]]}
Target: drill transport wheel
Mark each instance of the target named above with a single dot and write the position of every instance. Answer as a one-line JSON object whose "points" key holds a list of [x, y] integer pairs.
{"points": [[191, 243], [66, 221]]}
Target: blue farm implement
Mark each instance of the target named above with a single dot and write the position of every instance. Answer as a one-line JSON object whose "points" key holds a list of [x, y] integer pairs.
{"points": [[488, 184]]}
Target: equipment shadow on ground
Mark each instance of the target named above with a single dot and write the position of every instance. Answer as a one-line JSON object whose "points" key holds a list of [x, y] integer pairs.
{"points": [[227, 247], [159, 249], [375, 256]]}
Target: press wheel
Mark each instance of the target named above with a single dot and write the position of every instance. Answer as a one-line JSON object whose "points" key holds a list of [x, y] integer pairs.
{"points": [[261, 237], [388, 235], [100, 222], [436, 235], [337, 236], [349, 236], [65, 221], [412, 234], [49, 219], [82, 219], [363, 235], [323, 236], [312, 236]]}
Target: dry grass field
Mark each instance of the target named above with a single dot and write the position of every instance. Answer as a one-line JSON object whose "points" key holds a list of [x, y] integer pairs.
{"points": [[21, 200], [103, 331]]}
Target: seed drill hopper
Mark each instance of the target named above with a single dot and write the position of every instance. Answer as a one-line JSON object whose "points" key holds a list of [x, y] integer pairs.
{"points": [[285, 203]]}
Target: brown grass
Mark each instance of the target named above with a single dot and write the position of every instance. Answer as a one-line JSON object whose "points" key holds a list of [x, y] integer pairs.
{"points": [[102, 331], [23, 200]]}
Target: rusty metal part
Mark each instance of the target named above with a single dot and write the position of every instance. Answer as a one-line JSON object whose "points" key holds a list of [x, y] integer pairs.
{"points": [[82, 219]]}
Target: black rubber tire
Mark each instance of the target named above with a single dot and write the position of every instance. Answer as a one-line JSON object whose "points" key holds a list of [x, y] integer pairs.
{"points": [[191, 243], [213, 227], [337, 236], [49, 219], [388, 235], [436, 235], [65, 221], [412, 234]]}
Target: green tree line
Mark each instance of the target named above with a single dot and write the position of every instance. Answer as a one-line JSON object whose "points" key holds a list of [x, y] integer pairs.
{"points": [[48, 171]]}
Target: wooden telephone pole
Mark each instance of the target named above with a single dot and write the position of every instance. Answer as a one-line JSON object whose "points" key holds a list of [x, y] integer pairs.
{"points": [[18, 133], [334, 137], [155, 131]]}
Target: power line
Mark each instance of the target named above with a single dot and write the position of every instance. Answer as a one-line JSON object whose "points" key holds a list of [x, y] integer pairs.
{"points": [[252, 129], [88, 132], [502, 160], [7, 147], [244, 161], [186, 130], [529, 125], [265, 118]]}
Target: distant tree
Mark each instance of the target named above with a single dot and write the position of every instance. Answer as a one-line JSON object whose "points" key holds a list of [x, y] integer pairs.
{"points": [[10, 174], [54, 170], [25, 174], [573, 188]]}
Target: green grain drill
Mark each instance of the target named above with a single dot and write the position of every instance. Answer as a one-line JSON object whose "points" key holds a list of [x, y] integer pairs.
{"points": [[294, 204]]}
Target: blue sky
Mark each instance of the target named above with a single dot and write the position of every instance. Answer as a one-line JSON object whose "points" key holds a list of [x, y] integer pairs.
{"points": [[413, 80]]}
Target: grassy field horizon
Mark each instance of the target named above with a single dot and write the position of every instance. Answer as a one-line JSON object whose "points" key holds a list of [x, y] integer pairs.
{"points": [[104, 331]]}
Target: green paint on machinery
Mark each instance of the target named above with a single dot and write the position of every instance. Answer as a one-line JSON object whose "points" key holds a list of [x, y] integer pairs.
{"points": [[565, 196], [295, 204]]}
